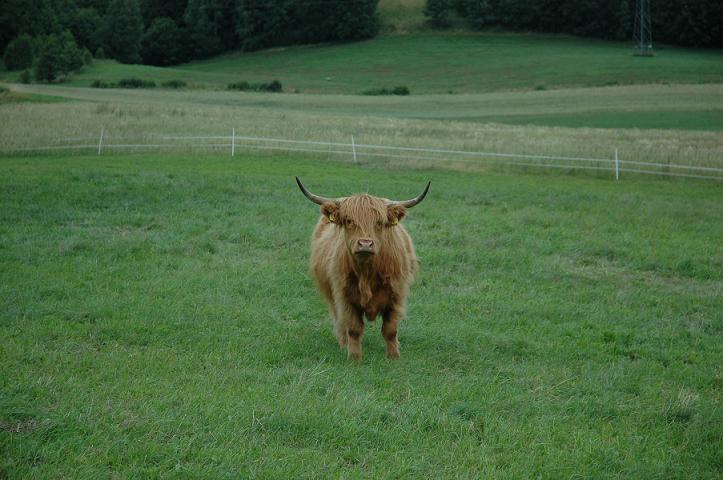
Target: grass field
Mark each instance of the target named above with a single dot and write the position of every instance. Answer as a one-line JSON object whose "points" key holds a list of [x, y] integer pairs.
{"points": [[459, 63], [158, 321]]}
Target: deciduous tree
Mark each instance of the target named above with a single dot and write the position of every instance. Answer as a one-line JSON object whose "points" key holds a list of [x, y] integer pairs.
{"points": [[19, 53], [123, 30]]}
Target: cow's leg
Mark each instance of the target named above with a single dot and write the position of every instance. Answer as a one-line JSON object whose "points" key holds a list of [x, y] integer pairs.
{"points": [[356, 330], [352, 322], [340, 330], [325, 288], [389, 330]]}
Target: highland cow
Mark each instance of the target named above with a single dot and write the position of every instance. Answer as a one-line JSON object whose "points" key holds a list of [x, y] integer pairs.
{"points": [[363, 261]]}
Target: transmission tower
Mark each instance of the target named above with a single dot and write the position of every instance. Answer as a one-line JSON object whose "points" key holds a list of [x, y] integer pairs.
{"points": [[642, 34]]}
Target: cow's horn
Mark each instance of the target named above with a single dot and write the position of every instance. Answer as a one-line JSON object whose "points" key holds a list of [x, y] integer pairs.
{"points": [[414, 201], [311, 196]]}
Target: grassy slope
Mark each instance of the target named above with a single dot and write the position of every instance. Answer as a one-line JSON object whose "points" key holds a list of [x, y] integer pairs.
{"points": [[157, 320], [436, 63], [430, 63]]}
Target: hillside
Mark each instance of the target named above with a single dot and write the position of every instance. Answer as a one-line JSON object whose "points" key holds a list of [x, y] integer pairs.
{"points": [[433, 63]]}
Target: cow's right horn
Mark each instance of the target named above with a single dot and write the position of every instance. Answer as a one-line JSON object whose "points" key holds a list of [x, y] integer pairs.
{"points": [[311, 196]]}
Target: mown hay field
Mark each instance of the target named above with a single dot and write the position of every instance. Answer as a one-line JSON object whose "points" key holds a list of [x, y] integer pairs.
{"points": [[474, 123]]}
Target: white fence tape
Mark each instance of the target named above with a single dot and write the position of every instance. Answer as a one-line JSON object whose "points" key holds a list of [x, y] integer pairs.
{"points": [[354, 150]]}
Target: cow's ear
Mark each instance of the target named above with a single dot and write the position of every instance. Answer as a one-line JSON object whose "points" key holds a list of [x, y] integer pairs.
{"points": [[395, 213], [331, 211]]}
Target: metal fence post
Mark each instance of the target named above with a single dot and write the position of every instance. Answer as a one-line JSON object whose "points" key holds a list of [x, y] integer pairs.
{"points": [[233, 142], [353, 148]]}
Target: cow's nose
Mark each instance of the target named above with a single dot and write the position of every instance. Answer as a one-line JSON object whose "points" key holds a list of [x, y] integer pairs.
{"points": [[365, 243]]}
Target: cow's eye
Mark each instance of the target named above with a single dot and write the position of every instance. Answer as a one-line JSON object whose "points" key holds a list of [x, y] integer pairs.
{"points": [[350, 223], [380, 224]]}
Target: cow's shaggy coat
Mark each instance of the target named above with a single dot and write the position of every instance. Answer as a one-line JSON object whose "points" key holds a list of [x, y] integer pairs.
{"points": [[363, 261]]}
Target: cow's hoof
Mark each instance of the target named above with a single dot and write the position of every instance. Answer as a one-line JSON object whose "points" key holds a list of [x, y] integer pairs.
{"points": [[354, 357], [393, 355]]}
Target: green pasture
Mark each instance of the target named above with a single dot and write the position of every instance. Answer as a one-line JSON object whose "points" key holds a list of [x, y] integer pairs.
{"points": [[158, 321], [430, 63], [658, 119]]}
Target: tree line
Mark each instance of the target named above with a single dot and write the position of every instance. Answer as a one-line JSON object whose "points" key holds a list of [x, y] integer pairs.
{"points": [[167, 32], [696, 23]]}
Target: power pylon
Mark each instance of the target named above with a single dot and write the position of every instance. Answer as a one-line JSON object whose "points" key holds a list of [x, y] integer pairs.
{"points": [[642, 34]]}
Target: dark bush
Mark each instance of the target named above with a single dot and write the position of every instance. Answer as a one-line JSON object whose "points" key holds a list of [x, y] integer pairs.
{"points": [[25, 77], [174, 84], [400, 90], [99, 84], [274, 86], [99, 53], [135, 83], [243, 86], [376, 91]]}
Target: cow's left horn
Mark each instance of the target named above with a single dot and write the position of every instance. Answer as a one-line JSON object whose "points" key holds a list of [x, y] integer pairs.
{"points": [[414, 201], [311, 196]]}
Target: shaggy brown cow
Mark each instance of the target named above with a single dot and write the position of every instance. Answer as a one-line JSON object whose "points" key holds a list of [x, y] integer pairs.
{"points": [[363, 261]]}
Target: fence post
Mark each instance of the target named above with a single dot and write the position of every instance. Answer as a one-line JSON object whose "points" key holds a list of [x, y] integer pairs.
{"points": [[617, 165], [233, 142], [100, 142], [353, 148]]}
